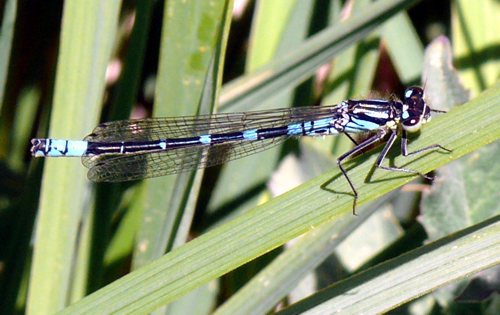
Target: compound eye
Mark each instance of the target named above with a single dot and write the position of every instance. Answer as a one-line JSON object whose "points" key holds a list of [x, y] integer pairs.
{"points": [[414, 93], [415, 111]]}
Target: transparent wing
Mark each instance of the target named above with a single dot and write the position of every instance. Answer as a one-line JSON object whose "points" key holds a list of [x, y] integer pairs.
{"points": [[179, 127], [120, 168], [114, 168]]}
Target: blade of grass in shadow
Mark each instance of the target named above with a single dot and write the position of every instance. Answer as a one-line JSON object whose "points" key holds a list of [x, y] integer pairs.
{"points": [[404, 47], [302, 62], [366, 57], [130, 78], [475, 42], [265, 227], [107, 196], [87, 36], [189, 76], [17, 245], [6, 35], [352, 73], [20, 128], [411, 275], [123, 240]]}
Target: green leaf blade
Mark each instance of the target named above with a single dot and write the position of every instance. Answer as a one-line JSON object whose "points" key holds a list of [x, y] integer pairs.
{"points": [[384, 287], [78, 94]]}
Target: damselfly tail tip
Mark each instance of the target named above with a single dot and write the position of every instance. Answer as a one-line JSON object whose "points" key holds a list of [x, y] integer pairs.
{"points": [[38, 147]]}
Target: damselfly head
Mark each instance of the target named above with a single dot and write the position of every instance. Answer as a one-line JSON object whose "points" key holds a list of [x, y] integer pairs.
{"points": [[415, 110]]}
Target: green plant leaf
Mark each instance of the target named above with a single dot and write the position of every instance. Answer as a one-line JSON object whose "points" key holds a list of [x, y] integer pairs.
{"points": [[8, 23], [404, 47], [465, 193], [411, 275], [475, 42], [268, 27], [195, 30], [88, 31], [277, 279]]}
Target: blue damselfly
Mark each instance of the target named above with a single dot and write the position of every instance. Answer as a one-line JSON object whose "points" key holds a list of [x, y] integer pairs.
{"points": [[136, 149]]}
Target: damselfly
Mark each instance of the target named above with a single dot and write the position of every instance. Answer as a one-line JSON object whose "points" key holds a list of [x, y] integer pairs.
{"points": [[135, 149]]}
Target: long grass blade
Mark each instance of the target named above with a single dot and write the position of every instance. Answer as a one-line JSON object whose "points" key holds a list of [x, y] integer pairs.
{"points": [[87, 36]]}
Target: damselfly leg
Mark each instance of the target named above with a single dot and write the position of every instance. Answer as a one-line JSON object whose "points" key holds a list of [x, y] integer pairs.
{"points": [[381, 157], [404, 146], [404, 152], [358, 148]]}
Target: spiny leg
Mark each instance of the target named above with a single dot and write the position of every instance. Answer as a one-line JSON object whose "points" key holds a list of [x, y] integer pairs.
{"points": [[358, 148], [404, 151], [404, 146]]}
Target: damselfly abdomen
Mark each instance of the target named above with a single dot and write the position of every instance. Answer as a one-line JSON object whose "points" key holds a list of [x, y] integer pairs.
{"points": [[136, 149]]}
